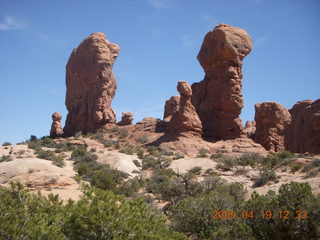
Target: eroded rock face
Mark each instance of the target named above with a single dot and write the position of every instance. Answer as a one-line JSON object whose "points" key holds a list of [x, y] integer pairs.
{"points": [[56, 127], [250, 129], [304, 132], [91, 85], [126, 119], [186, 121], [272, 122], [171, 107], [150, 124], [218, 98]]}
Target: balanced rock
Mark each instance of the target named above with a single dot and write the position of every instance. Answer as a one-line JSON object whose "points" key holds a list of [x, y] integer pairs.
{"points": [[272, 122], [56, 127], [218, 98], [171, 107], [304, 132], [91, 85], [126, 119], [186, 121]]}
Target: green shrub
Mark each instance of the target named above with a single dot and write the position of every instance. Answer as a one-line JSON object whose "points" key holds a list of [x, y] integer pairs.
{"points": [[202, 153], [137, 163], [123, 134], [216, 156], [296, 167], [292, 197], [265, 176], [127, 150], [142, 139], [97, 215], [249, 159], [226, 163], [139, 152], [314, 164], [196, 170], [178, 156], [6, 158], [6, 144], [78, 152], [108, 143]]}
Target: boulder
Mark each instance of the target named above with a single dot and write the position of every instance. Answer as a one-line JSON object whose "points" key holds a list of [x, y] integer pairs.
{"points": [[304, 132], [126, 119], [90, 85], [218, 97], [272, 122], [185, 122], [56, 127]]}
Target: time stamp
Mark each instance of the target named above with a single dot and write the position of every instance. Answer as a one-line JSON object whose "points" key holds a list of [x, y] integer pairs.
{"points": [[264, 214]]}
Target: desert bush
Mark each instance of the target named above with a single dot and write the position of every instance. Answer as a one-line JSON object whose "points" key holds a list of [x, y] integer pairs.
{"points": [[129, 150], [123, 134], [315, 163], [97, 215], [137, 163], [294, 198], [249, 159], [296, 167], [312, 173], [6, 144], [99, 136], [203, 153], [152, 149], [131, 187], [139, 152], [78, 152], [215, 156], [108, 143], [241, 171], [142, 139], [226, 163], [196, 170], [265, 176], [177, 156], [6, 158]]}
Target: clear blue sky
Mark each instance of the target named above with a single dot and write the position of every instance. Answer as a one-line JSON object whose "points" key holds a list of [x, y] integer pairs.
{"points": [[159, 41]]}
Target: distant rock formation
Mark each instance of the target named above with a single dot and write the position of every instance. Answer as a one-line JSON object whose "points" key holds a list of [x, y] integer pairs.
{"points": [[126, 119], [272, 122], [91, 85], [218, 99], [56, 127], [186, 121], [150, 124], [304, 132], [171, 107], [250, 129]]}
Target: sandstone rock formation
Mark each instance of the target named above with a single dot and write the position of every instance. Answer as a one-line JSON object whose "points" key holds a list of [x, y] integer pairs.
{"points": [[250, 129], [150, 124], [186, 121], [272, 122], [56, 127], [304, 132], [126, 119], [171, 107], [218, 99], [91, 85]]}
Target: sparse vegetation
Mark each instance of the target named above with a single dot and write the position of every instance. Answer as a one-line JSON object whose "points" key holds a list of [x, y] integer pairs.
{"points": [[196, 170], [6, 144], [226, 163], [265, 176], [202, 153], [6, 158], [142, 139], [178, 156], [137, 163]]}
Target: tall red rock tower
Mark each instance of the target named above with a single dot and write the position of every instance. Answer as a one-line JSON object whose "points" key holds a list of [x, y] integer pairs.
{"points": [[91, 85], [218, 98]]}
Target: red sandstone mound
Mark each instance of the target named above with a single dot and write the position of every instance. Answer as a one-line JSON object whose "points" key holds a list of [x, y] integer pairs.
{"points": [[304, 132], [56, 127], [250, 129], [126, 119], [218, 99], [272, 122], [186, 121], [171, 107], [91, 85]]}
